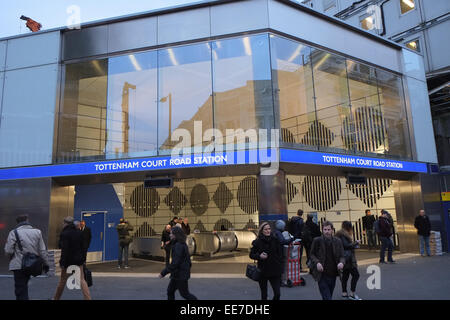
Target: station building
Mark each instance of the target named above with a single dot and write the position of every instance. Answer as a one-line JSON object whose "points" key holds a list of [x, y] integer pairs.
{"points": [[269, 106]]}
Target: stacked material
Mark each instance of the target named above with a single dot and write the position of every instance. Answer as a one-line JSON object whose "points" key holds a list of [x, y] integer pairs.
{"points": [[435, 243], [53, 260]]}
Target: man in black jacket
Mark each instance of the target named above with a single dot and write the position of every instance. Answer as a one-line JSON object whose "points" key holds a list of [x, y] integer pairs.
{"points": [[326, 260], [87, 236], [72, 255], [368, 229], [423, 226], [385, 233]]}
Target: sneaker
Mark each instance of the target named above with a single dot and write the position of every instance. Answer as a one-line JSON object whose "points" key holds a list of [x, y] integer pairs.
{"points": [[345, 296], [355, 297], [118, 267], [382, 262], [127, 267]]}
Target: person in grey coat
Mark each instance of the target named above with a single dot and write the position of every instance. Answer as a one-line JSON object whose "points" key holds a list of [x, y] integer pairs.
{"points": [[32, 242]]}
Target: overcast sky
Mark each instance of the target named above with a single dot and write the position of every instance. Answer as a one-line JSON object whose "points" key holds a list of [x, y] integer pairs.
{"points": [[53, 13]]}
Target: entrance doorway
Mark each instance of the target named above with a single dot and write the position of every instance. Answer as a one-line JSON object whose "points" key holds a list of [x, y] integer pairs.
{"points": [[95, 220]]}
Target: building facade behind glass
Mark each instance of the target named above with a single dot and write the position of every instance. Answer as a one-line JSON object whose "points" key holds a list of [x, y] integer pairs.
{"points": [[122, 94]]}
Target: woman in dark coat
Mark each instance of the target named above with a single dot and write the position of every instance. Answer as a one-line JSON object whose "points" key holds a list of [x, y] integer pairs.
{"points": [[180, 267], [266, 249], [351, 266]]}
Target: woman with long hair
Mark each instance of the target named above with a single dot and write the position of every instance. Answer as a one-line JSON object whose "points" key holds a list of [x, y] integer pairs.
{"points": [[180, 267], [351, 266], [266, 249]]}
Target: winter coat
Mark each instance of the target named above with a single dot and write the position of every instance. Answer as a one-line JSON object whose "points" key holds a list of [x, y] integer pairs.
{"points": [[87, 236], [283, 242], [123, 229], [385, 227], [368, 222], [310, 231], [164, 238], [272, 266], [423, 226], [72, 248], [349, 248], [31, 241], [180, 267], [318, 254], [186, 228], [298, 225]]}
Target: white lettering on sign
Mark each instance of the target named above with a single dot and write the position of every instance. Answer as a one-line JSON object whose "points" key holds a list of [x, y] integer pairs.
{"points": [[362, 162]]}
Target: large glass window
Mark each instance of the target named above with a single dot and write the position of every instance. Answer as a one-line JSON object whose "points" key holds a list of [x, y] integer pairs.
{"points": [[294, 92], [242, 83], [185, 91]]}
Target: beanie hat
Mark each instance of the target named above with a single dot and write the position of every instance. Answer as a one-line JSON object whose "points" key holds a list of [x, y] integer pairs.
{"points": [[280, 225]]}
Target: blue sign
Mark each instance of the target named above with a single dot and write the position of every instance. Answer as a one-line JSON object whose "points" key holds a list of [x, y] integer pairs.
{"points": [[337, 160]]}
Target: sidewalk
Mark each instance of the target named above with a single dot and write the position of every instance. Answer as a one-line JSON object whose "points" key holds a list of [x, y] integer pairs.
{"points": [[412, 278]]}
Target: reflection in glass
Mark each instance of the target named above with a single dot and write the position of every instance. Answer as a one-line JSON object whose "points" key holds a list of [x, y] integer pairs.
{"points": [[185, 92], [132, 116], [293, 85], [242, 83], [392, 103]]}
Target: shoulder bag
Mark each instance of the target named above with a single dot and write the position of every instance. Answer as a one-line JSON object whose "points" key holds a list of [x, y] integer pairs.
{"points": [[32, 265]]}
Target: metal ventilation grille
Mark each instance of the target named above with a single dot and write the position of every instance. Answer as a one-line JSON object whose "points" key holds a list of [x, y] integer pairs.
{"points": [[175, 200], [364, 130], [144, 231], [222, 197], [287, 136], [223, 224], [145, 202], [321, 193], [247, 195], [291, 191], [372, 191], [318, 135], [199, 199]]}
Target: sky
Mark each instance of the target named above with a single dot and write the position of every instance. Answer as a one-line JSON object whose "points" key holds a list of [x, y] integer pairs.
{"points": [[54, 13]]}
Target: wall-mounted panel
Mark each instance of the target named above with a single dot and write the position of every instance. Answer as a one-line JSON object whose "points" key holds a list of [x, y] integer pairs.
{"points": [[439, 45], [182, 26], [413, 65], [26, 132], [33, 50], [132, 34], [330, 35], [239, 16], [435, 8], [85, 42], [2, 55], [395, 21]]}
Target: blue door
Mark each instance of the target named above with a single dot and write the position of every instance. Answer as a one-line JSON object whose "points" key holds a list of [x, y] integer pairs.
{"points": [[96, 222]]}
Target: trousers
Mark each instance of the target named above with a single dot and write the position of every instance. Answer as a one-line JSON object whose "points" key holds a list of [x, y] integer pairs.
{"points": [[182, 286], [275, 282], [21, 285]]}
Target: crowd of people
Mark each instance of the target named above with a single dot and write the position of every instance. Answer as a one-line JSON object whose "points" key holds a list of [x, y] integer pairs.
{"points": [[329, 254]]}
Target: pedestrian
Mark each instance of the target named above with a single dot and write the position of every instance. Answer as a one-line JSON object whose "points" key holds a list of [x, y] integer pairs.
{"points": [[384, 234], [31, 241], [72, 254], [280, 225], [296, 229], [310, 231], [368, 229], [173, 222], [423, 226], [350, 266], [266, 249], [165, 242], [326, 260], [87, 236], [123, 230], [180, 267], [185, 226]]}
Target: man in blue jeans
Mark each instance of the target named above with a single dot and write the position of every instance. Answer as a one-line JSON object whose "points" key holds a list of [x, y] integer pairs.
{"points": [[385, 233], [423, 226], [123, 229], [326, 260]]}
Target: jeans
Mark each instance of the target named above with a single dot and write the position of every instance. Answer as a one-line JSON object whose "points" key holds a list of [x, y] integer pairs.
{"points": [[123, 248], [167, 249], [326, 286], [371, 238], [275, 282], [386, 243], [346, 275], [182, 286], [21, 285], [424, 241]]}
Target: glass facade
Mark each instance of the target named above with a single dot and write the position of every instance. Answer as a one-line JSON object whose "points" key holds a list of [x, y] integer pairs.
{"points": [[146, 103]]}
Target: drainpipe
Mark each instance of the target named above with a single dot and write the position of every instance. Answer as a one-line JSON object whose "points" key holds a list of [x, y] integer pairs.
{"points": [[382, 18]]}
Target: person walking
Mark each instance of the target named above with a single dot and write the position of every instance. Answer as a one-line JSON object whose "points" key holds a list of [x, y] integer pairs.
{"points": [[266, 249], [280, 225], [350, 266], [72, 254], [310, 231], [423, 226], [123, 230], [165, 242], [296, 229], [384, 234], [180, 267], [87, 236], [31, 241], [326, 260], [368, 229]]}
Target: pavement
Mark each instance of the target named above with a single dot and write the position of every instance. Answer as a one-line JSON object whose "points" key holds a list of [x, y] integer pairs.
{"points": [[412, 278]]}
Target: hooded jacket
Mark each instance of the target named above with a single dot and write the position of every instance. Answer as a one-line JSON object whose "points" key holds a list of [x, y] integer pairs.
{"points": [[180, 267], [349, 248], [32, 242], [385, 227], [123, 230]]}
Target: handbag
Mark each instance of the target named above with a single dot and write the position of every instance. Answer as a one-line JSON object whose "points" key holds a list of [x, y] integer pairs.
{"points": [[87, 276], [253, 272], [32, 265]]}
